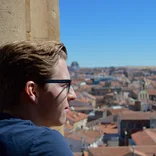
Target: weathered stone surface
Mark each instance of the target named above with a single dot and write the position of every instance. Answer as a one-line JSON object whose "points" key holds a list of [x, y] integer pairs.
{"points": [[12, 20], [53, 20], [29, 20], [43, 23]]}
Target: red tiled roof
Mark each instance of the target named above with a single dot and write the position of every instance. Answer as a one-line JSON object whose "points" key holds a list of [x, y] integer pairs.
{"points": [[116, 101], [82, 100], [136, 91], [90, 136], [131, 115], [153, 83], [148, 150], [115, 84], [110, 151], [151, 91], [152, 77], [85, 153], [99, 97], [123, 151], [108, 128], [86, 97], [77, 154], [76, 116], [89, 95], [79, 102], [145, 137], [82, 108], [109, 94], [117, 111], [102, 83], [123, 102], [77, 81]]}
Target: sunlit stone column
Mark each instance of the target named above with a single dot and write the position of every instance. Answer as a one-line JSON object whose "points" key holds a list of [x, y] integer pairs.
{"points": [[12, 20], [42, 20], [30, 20]]}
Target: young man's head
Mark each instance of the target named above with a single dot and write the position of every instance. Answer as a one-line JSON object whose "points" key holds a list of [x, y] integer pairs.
{"points": [[35, 82]]}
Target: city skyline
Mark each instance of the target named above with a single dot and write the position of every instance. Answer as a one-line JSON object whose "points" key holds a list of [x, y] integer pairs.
{"points": [[109, 33]]}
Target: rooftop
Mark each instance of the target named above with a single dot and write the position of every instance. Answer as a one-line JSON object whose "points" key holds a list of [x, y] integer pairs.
{"points": [[131, 115], [76, 116], [145, 137], [123, 151]]}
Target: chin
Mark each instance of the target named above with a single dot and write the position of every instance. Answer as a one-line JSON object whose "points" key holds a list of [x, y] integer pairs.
{"points": [[56, 122]]}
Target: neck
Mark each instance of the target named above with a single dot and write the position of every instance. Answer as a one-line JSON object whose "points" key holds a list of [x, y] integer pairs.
{"points": [[12, 113]]}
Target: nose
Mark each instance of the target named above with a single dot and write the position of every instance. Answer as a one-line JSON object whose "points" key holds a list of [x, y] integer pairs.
{"points": [[72, 94]]}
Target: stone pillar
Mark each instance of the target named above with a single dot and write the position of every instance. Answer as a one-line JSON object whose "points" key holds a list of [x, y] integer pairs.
{"points": [[29, 20], [42, 20], [12, 20]]}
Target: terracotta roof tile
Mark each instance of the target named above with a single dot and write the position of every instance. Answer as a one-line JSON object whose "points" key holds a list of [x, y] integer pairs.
{"points": [[100, 97], [151, 91], [108, 128], [131, 115], [109, 151], [76, 116], [148, 150], [89, 95], [123, 151], [117, 111], [136, 91], [83, 108], [102, 83], [79, 102], [78, 154], [109, 94], [145, 137], [115, 84], [90, 136]]}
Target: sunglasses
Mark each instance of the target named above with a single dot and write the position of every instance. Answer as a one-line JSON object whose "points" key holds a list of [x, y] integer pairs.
{"points": [[65, 81]]}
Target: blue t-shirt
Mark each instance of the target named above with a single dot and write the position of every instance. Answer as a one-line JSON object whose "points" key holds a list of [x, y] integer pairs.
{"points": [[23, 138]]}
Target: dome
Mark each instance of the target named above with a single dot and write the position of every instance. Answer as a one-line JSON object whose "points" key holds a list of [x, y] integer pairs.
{"points": [[74, 64]]}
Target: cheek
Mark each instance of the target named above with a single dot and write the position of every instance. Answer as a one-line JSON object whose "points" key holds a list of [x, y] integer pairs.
{"points": [[54, 97], [61, 100], [53, 91], [60, 97]]}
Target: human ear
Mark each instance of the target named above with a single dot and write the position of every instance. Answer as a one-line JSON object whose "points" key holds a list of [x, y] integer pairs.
{"points": [[31, 90]]}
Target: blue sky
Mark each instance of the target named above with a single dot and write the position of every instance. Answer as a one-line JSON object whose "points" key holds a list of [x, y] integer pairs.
{"points": [[103, 33]]}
